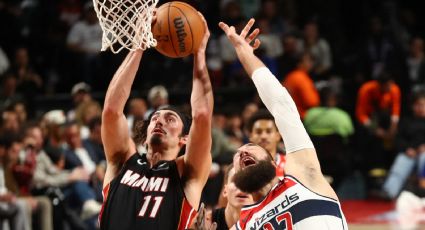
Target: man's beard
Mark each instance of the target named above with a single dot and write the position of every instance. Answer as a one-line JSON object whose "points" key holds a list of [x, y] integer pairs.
{"points": [[253, 178], [156, 140]]}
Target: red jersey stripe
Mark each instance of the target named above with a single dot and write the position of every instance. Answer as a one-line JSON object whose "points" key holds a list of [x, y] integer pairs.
{"points": [[187, 215], [105, 193]]}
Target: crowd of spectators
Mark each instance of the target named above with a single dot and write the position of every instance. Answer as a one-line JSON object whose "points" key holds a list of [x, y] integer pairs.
{"points": [[355, 69]]}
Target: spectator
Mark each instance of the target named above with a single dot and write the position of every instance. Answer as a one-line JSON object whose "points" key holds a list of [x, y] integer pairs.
{"points": [[300, 86], [377, 112], [20, 109], [11, 209], [263, 132], [21, 165], [8, 93], [328, 119], [319, 49], [377, 101], [271, 46], [330, 129], [29, 82], [136, 110], [411, 148], [292, 49], [380, 49], [80, 93], [85, 39], [94, 144], [415, 65], [157, 97], [49, 176], [84, 113], [4, 62], [270, 11], [10, 123]]}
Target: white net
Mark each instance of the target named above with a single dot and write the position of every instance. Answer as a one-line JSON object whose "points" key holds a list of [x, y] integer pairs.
{"points": [[126, 24]]}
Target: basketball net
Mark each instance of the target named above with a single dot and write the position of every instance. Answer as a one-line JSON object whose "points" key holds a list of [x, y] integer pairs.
{"points": [[126, 24]]}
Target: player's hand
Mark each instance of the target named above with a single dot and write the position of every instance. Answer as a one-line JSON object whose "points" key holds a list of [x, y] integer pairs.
{"points": [[201, 222], [243, 39], [203, 46]]}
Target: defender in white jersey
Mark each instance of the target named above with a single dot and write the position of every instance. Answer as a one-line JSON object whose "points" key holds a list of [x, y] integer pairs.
{"points": [[303, 199]]}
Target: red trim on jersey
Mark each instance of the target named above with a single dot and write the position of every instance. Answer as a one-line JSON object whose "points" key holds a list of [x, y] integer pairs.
{"points": [[105, 193], [187, 215], [248, 212], [280, 165]]}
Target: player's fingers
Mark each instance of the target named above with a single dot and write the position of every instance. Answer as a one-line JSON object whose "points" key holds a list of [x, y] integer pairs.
{"points": [[253, 35], [248, 26], [154, 16], [213, 226], [224, 27], [256, 44], [201, 214]]}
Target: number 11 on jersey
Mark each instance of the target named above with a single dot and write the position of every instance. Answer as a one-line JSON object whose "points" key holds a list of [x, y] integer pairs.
{"points": [[146, 201]]}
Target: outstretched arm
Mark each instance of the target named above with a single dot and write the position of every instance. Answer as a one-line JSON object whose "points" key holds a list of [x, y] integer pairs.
{"points": [[115, 134], [197, 160], [302, 160]]}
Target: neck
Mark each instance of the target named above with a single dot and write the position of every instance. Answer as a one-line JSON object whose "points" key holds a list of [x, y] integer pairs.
{"points": [[263, 191], [155, 155], [274, 153], [231, 214]]}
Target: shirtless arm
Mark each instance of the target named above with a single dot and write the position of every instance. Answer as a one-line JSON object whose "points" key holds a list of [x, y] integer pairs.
{"points": [[302, 160], [116, 139], [197, 160]]}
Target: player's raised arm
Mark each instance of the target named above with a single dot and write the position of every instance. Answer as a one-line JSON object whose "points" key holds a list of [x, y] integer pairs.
{"points": [[115, 134], [302, 160], [197, 160]]}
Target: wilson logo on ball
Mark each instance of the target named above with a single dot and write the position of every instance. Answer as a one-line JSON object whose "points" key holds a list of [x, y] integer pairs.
{"points": [[181, 34]]}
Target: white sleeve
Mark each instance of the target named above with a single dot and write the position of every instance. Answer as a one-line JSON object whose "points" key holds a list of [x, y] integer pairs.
{"points": [[280, 104]]}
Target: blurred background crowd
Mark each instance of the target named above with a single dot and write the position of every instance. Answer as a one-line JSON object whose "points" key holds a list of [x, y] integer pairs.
{"points": [[356, 71]]}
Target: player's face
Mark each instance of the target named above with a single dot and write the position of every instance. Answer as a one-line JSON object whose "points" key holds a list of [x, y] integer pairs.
{"points": [[236, 197], [165, 128], [264, 133], [248, 155]]}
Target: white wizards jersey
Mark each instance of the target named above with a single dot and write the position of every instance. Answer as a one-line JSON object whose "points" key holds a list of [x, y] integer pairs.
{"points": [[290, 205]]}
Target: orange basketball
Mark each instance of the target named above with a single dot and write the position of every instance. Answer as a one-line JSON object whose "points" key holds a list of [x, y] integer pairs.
{"points": [[178, 29]]}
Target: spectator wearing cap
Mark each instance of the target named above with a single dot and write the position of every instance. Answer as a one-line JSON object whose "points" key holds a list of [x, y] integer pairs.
{"points": [[80, 93], [157, 97]]}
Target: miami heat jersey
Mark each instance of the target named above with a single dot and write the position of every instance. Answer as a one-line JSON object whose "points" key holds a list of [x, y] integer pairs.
{"points": [[290, 205], [141, 197]]}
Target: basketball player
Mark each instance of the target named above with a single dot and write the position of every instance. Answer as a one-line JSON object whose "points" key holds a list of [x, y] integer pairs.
{"points": [[158, 190], [228, 216], [263, 132], [303, 199]]}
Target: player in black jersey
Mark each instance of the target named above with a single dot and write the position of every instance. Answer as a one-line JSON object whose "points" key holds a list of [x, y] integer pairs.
{"points": [[228, 216], [158, 190]]}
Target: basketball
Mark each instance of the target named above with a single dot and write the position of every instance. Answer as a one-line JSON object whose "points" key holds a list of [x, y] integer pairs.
{"points": [[178, 29]]}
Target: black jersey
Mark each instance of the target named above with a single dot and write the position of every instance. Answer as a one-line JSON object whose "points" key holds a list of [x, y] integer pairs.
{"points": [[141, 197], [219, 217]]}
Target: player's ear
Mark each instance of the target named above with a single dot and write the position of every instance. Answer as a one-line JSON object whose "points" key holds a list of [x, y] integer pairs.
{"points": [[183, 140], [224, 193]]}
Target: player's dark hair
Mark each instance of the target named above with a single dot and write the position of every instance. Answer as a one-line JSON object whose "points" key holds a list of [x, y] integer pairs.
{"points": [[141, 127], [261, 114]]}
